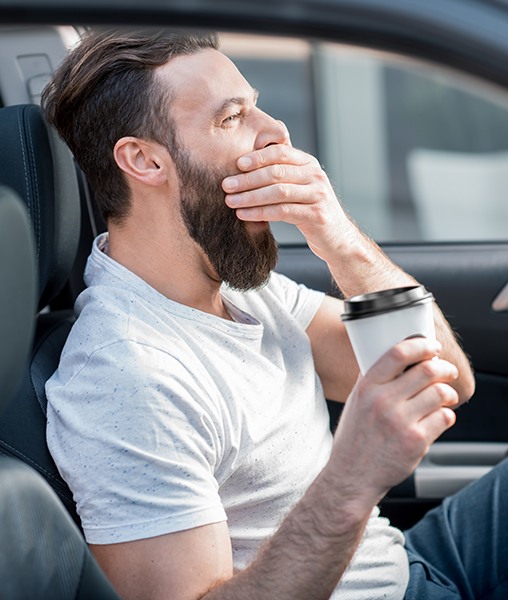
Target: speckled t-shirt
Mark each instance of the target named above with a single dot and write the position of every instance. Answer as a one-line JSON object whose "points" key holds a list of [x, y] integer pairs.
{"points": [[162, 418]]}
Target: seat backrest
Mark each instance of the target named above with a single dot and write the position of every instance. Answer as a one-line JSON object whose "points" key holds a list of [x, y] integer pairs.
{"points": [[43, 555], [17, 293], [39, 167]]}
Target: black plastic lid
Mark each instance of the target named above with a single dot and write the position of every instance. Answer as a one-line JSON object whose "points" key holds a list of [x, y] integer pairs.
{"points": [[373, 303]]}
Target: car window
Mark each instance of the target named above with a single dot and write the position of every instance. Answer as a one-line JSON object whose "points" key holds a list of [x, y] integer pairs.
{"points": [[416, 153]]}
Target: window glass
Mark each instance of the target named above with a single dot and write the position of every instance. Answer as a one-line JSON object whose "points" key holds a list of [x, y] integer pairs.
{"points": [[417, 153]]}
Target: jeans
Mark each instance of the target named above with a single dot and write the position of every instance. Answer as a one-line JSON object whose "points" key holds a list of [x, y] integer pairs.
{"points": [[460, 549]]}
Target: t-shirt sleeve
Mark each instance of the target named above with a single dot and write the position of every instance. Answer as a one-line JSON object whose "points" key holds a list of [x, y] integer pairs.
{"points": [[301, 301], [137, 446]]}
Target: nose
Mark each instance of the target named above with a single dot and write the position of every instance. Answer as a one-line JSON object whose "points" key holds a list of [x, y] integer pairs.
{"points": [[271, 131]]}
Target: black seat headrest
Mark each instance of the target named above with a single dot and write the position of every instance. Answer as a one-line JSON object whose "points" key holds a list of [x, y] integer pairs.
{"points": [[17, 292], [39, 167]]}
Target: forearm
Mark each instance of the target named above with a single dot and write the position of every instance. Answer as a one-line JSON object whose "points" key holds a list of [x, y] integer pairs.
{"points": [[360, 266], [310, 551]]}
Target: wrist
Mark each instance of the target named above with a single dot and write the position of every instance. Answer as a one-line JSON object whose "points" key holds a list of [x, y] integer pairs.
{"points": [[347, 500], [358, 265]]}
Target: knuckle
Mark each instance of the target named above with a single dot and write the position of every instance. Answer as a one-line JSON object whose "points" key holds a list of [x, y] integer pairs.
{"points": [[363, 386], [285, 211], [398, 353], [441, 390], [284, 191], [247, 180], [446, 394], [285, 152], [278, 172], [318, 215], [321, 176], [413, 435], [261, 160], [449, 418], [314, 162], [428, 368], [385, 410]]}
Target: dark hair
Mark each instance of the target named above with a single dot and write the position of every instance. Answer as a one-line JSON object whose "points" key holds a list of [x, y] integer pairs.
{"points": [[105, 89]]}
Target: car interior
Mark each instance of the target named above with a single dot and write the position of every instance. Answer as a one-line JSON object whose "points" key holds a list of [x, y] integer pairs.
{"points": [[42, 173], [47, 555], [38, 169]]}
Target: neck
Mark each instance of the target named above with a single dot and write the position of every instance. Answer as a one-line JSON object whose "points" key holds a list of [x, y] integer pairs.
{"points": [[172, 264]]}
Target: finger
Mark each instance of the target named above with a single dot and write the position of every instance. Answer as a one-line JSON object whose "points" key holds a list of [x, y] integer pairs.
{"points": [[273, 202], [292, 209], [266, 176], [401, 356], [425, 373], [436, 423], [274, 154], [434, 397]]}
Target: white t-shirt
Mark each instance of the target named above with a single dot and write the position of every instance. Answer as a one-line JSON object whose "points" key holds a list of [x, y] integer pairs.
{"points": [[163, 418]]}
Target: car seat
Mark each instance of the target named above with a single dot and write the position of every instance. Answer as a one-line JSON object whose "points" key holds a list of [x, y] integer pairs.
{"points": [[17, 293], [39, 167], [42, 552]]}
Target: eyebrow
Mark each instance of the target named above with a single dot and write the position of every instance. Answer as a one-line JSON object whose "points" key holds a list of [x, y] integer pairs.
{"points": [[236, 101]]}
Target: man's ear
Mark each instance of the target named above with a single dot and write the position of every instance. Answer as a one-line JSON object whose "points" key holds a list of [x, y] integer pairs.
{"points": [[145, 161]]}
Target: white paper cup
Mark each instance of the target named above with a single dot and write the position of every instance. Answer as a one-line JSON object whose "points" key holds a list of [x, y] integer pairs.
{"points": [[377, 321]]}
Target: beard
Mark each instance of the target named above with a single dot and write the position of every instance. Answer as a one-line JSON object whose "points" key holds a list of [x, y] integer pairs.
{"points": [[242, 260]]}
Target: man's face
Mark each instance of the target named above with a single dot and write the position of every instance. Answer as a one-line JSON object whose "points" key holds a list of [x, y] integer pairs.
{"points": [[216, 119], [241, 258]]}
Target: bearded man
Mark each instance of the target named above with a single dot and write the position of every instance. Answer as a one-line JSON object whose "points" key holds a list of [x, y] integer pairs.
{"points": [[188, 413]]}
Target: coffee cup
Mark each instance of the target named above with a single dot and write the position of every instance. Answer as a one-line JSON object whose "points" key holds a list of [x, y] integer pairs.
{"points": [[377, 321]]}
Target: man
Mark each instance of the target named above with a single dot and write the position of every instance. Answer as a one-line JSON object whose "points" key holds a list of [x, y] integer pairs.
{"points": [[188, 412]]}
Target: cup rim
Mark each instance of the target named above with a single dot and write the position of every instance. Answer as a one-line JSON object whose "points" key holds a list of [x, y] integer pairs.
{"points": [[374, 303]]}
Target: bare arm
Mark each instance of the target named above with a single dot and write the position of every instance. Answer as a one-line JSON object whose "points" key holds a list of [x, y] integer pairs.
{"points": [[180, 566], [333, 355], [382, 436], [303, 560]]}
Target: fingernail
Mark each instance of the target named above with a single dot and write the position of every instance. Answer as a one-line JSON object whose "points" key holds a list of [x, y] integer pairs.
{"points": [[231, 183], [244, 162], [233, 200]]}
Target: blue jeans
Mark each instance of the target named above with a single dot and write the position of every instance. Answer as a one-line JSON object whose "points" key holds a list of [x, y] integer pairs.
{"points": [[459, 551]]}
